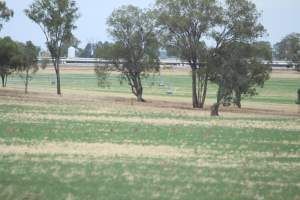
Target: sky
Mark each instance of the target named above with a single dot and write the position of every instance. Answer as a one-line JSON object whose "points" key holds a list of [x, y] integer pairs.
{"points": [[280, 17]]}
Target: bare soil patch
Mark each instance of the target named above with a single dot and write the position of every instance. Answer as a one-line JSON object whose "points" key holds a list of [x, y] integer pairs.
{"points": [[93, 100], [285, 74]]}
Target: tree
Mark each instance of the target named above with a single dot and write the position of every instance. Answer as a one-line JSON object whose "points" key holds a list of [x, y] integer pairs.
{"points": [[255, 72], [56, 19], [136, 50], [26, 62], [103, 50], [5, 13], [88, 51], [235, 61], [289, 49], [244, 67], [184, 24], [8, 50]]}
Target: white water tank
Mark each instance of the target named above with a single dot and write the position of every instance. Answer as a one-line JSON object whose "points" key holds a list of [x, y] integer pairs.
{"points": [[71, 52]]}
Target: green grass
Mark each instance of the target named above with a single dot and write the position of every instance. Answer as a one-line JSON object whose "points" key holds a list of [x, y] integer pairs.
{"points": [[276, 90], [125, 178], [239, 162]]}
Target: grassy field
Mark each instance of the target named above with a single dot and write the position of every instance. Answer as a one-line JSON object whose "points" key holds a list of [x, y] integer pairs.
{"points": [[95, 143]]}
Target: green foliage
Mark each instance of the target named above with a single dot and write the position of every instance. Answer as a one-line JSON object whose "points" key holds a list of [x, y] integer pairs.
{"points": [[27, 59], [288, 48], [5, 13], [27, 62], [184, 24], [136, 48], [8, 53], [56, 18], [105, 50], [103, 75], [240, 70], [235, 63], [88, 51]]}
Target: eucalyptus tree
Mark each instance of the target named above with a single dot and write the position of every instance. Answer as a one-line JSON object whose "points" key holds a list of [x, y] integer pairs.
{"points": [[26, 62], [5, 13], [230, 61], [289, 49], [184, 25], [56, 19], [251, 70], [242, 68], [8, 50], [136, 48]]}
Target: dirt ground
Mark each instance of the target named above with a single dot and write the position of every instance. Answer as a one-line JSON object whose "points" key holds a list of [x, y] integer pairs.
{"points": [[176, 71], [97, 100]]}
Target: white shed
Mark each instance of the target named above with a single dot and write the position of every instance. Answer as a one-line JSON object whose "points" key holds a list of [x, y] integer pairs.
{"points": [[71, 52]]}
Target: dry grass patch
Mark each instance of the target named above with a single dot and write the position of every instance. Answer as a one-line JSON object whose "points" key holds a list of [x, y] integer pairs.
{"points": [[292, 125], [97, 149]]}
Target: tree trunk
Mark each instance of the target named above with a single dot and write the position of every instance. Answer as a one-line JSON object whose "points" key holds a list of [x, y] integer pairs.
{"points": [[215, 110], [139, 90], [57, 71], [26, 82], [216, 106], [194, 88], [3, 80], [135, 83], [140, 97], [204, 91], [238, 99]]}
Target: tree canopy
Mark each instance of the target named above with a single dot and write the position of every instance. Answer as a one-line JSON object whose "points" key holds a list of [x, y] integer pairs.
{"points": [[26, 62], [184, 24], [5, 13], [56, 18], [136, 48], [289, 49], [8, 53], [236, 60]]}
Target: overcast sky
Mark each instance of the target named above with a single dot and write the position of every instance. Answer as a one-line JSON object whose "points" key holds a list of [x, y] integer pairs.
{"points": [[280, 17]]}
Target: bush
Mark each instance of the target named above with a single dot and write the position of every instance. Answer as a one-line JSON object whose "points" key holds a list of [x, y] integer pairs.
{"points": [[103, 75]]}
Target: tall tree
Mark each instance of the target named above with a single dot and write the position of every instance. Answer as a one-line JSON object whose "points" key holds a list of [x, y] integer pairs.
{"points": [[136, 51], [253, 72], [8, 50], [26, 62], [242, 68], [5, 13], [234, 54], [184, 24], [289, 49], [87, 52], [56, 18]]}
